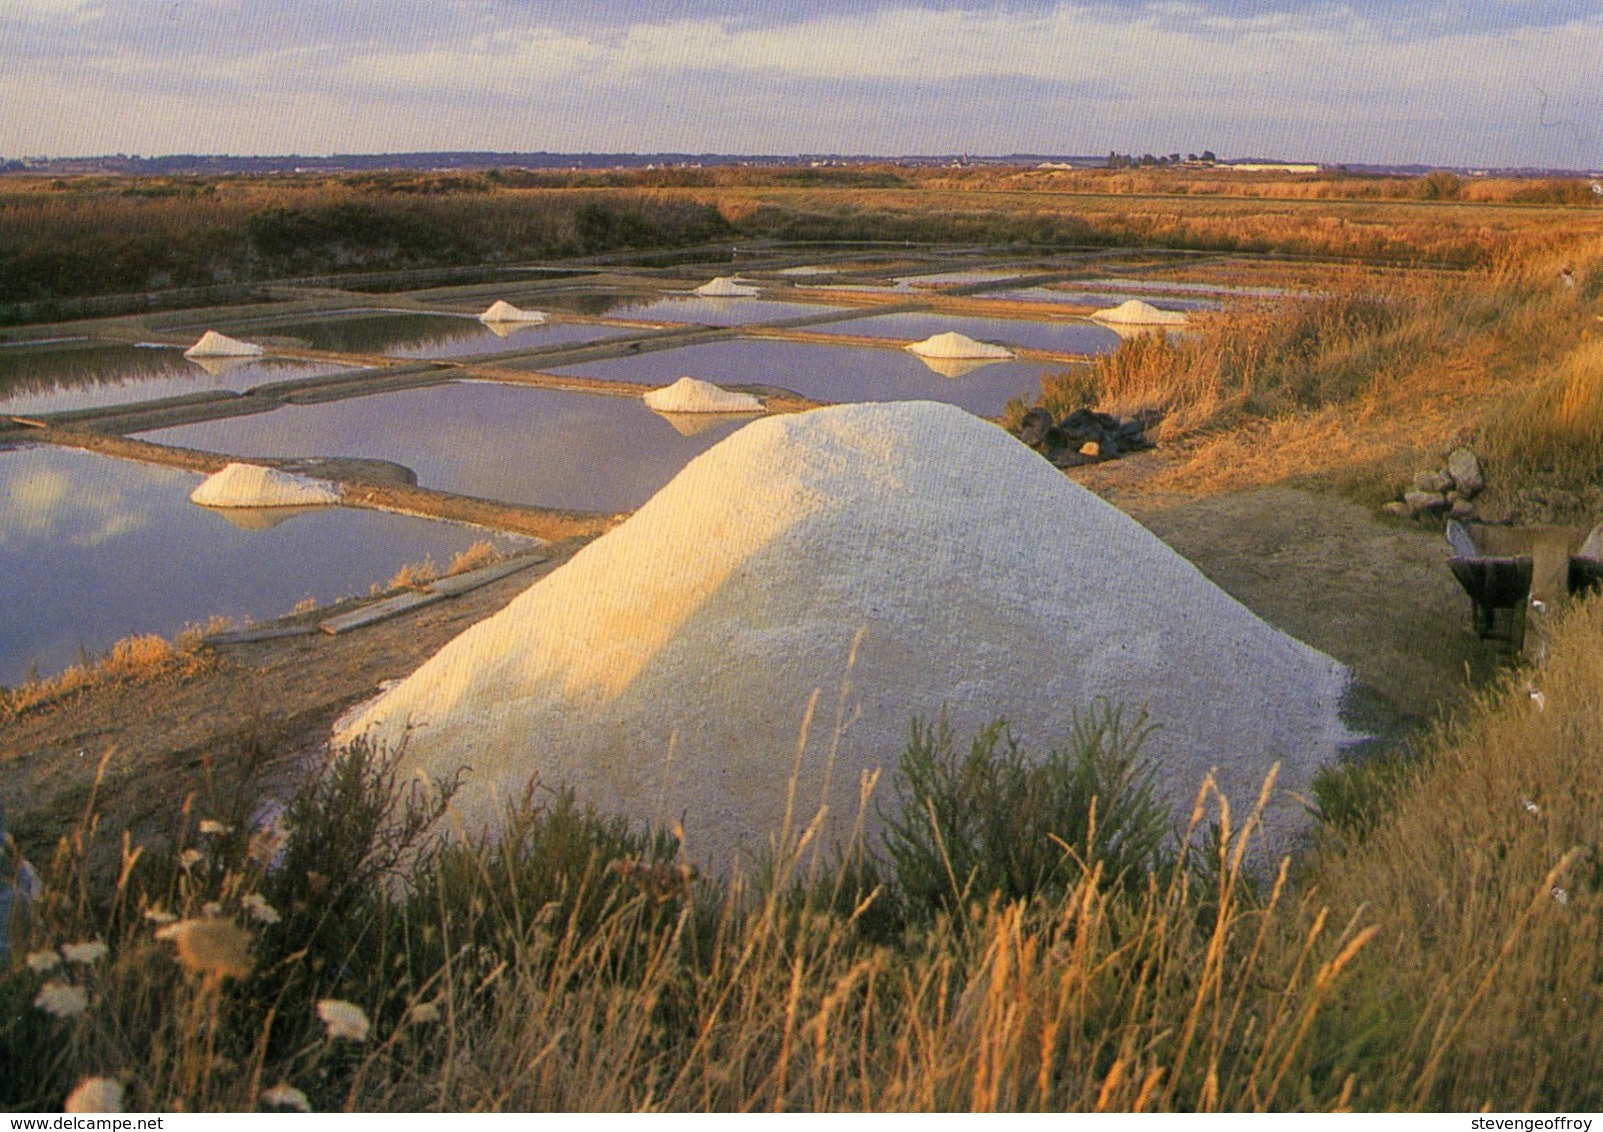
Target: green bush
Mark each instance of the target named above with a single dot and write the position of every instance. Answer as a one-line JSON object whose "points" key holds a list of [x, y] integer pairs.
{"points": [[996, 821]]}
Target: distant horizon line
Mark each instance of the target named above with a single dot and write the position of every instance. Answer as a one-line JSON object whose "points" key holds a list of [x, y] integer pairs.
{"points": [[470, 159]]}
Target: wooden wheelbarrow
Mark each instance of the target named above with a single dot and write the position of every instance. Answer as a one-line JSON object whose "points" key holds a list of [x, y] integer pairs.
{"points": [[1505, 569]]}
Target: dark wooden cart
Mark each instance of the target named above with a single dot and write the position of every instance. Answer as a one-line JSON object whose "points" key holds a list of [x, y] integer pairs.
{"points": [[1503, 569]]}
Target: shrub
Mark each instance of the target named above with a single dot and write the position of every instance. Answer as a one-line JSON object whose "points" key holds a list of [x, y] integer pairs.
{"points": [[995, 821]]}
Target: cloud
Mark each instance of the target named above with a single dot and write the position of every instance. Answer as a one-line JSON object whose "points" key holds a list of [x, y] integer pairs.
{"points": [[1443, 81], [46, 506]]}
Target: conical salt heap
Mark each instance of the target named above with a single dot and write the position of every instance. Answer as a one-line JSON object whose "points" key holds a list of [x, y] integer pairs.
{"points": [[215, 345], [503, 311], [955, 345], [725, 287], [665, 671], [1134, 312], [688, 395], [251, 485]]}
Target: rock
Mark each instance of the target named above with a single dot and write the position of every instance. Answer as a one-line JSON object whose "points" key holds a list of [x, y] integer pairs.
{"points": [[1091, 448], [1397, 507], [1434, 483], [1420, 502], [1035, 426], [1466, 472], [1462, 509]]}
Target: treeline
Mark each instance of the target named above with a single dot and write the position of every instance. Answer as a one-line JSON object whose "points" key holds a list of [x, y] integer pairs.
{"points": [[96, 238]]}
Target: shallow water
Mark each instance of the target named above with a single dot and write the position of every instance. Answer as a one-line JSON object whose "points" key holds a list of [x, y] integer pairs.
{"points": [[714, 312], [92, 374], [398, 335], [826, 373], [577, 451], [1060, 337], [1109, 298], [95, 549], [948, 278]]}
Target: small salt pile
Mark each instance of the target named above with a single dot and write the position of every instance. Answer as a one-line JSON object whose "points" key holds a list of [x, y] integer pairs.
{"points": [[725, 287], [664, 672], [1134, 312], [688, 395], [251, 485], [503, 311], [215, 345], [955, 345]]}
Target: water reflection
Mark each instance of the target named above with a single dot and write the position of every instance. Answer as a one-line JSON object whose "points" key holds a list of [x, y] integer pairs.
{"points": [[553, 449], [95, 549], [1059, 337], [825, 373], [715, 312], [1099, 298], [405, 335], [86, 376]]}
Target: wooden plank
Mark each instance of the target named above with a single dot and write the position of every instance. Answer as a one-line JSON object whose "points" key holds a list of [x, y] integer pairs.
{"points": [[458, 584], [248, 636], [379, 611]]}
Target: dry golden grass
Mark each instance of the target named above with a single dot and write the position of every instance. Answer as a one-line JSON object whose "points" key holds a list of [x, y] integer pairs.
{"points": [[413, 575], [1448, 958], [1355, 387], [1546, 441], [1487, 874], [132, 659], [481, 553]]}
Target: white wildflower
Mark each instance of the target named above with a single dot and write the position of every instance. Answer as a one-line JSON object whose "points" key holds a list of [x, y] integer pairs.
{"points": [[424, 1012], [92, 952], [343, 1019], [1537, 698], [43, 962], [260, 910], [62, 999], [1532, 806], [1560, 895], [215, 828], [95, 1094], [286, 1096]]}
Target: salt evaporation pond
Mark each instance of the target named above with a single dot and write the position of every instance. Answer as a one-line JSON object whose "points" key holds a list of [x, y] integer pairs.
{"points": [[825, 373], [405, 335], [1059, 337], [1109, 298], [956, 278], [90, 375], [546, 448], [715, 312], [95, 549]]}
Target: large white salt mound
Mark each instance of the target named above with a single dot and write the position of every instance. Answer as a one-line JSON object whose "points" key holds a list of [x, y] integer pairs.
{"points": [[687, 395], [215, 345], [725, 287], [955, 345], [664, 672], [503, 311], [251, 485], [1134, 312]]}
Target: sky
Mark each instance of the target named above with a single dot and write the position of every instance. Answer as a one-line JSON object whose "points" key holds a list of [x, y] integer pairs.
{"points": [[1449, 82]]}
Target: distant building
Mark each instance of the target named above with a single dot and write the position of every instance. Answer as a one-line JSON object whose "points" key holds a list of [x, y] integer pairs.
{"points": [[1271, 167]]}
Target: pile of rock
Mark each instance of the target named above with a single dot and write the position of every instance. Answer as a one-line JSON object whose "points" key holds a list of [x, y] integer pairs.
{"points": [[1443, 491], [1084, 436]]}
